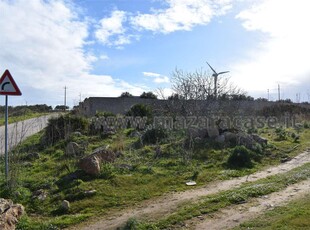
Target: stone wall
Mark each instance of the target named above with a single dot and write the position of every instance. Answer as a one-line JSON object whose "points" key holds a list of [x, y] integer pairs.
{"points": [[120, 105]]}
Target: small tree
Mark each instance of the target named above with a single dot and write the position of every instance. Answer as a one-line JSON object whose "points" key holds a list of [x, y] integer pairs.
{"points": [[126, 94], [140, 110], [149, 95], [199, 85]]}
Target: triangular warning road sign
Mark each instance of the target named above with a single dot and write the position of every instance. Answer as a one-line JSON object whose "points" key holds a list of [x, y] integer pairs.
{"points": [[8, 85]]}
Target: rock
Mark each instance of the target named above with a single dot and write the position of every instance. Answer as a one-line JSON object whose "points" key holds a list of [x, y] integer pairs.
{"points": [[76, 133], [246, 140], [73, 149], [91, 163], [134, 134], [9, 214], [213, 132], [65, 205], [108, 131], [39, 194], [191, 183], [286, 159], [260, 140], [106, 155], [32, 156], [90, 192], [197, 133], [220, 139], [230, 137]]}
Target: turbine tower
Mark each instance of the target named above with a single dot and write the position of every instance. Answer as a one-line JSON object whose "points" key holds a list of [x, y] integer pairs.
{"points": [[215, 75]]}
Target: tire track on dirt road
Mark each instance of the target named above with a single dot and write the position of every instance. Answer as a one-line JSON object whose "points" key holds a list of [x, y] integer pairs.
{"points": [[234, 215], [158, 207]]}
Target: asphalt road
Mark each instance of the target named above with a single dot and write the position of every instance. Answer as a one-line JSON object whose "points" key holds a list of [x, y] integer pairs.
{"points": [[19, 131]]}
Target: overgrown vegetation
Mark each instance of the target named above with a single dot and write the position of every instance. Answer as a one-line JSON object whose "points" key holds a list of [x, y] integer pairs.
{"points": [[152, 162]]}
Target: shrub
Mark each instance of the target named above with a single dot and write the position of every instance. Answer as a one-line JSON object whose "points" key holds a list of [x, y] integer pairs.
{"points": [[140, 110], [281, 134], [148, 95], [240, 157], [59, 128], [153, 136]]}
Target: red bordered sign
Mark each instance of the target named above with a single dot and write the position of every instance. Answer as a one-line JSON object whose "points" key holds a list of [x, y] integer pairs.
{"points": [[8, 85]]}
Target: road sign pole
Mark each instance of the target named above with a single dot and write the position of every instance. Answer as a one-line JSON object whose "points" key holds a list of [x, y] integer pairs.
{"points": [[6, 140], [7, 87]]}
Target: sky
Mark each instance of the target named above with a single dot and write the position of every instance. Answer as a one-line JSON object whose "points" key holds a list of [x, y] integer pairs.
{"points": [[105, 47]]}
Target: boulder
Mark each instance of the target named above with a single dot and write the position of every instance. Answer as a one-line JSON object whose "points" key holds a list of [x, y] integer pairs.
{"points": [[9, 214], [220, 139], [65, 205], [230, 137], [213, 132], [246, 140], [197, 133], [73, 149], [91, 163], [260, 140]]}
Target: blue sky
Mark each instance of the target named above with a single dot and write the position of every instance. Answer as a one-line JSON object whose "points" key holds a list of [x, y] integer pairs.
{"points": [[105, 47]]}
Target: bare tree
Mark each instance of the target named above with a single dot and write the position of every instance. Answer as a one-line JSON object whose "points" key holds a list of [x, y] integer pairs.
{"points": [[199, 85]]}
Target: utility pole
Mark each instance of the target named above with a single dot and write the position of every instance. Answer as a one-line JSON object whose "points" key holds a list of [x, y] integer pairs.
{"points": [[65, 102], [279, 92], [268, 93]]}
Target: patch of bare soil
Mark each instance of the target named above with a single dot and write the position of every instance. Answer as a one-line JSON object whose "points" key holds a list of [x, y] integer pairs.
{"points": [[236, 214], [158, 207]]}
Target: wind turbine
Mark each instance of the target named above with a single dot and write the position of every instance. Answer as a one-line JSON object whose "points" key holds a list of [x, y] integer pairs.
{"points": [[215, 75]]}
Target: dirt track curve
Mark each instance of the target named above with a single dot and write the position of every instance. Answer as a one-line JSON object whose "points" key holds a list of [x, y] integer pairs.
{"points": [[159, 207]]}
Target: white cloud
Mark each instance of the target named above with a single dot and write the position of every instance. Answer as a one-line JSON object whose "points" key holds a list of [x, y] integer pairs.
{"points": [[150, 74], [42, 44], [111, 30], [181, 15], [283, 54], [104, 57], [157, 78]]}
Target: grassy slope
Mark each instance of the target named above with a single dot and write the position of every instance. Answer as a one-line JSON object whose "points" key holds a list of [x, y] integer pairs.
{"points": [[119, 188], [13, 119]]}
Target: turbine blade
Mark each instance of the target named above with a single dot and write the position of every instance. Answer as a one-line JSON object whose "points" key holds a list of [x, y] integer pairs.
{"points": [[223, 72], [212, 68]]}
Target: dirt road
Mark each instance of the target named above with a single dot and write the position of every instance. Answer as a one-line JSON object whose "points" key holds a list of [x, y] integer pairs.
{"points": [[234, 215], [159, 207]]}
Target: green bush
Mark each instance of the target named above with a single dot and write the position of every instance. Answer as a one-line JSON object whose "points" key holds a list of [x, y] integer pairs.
{"points": [[281, 134], [240, 157], [59, 128], [153, 136], [140, 110]]}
